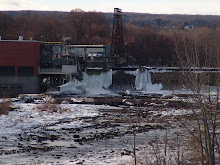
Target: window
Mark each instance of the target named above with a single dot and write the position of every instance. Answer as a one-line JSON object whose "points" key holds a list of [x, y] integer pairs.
{"points": [[7, 70], [25, 71]]}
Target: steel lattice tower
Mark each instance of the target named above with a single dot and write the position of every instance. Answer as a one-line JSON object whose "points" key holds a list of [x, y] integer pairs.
{"points": [[117, 45]]}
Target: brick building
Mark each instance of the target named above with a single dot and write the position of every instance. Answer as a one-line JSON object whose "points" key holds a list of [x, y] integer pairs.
{"points": [[19, 62]]}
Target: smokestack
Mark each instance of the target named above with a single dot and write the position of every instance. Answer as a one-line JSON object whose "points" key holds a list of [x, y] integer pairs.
{"points": [[20, 38]]}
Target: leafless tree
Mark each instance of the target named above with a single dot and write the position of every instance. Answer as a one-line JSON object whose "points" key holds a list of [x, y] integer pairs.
{"points": [[27, 24], [6, 26], [88, 27], [51, 29], [195, 50]]}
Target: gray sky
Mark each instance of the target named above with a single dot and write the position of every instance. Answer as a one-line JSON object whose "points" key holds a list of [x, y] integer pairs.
{"points": [[143, 6]]}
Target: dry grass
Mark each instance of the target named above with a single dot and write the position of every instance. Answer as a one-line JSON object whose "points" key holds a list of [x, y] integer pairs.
{"points": [[5, 107], [52, 108]]}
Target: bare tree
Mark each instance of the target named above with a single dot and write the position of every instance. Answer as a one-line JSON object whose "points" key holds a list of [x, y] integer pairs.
{"points": [[27, 24], [198, 50], [88, 27], [6, 26], [51, 29]]}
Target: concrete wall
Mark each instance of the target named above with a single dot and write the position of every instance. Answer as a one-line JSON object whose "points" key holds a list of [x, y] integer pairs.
{"points": [[28, 84], [67, 69]]}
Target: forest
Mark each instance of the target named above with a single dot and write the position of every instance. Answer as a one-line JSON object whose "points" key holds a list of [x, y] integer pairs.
{"points": [[148, 39]]}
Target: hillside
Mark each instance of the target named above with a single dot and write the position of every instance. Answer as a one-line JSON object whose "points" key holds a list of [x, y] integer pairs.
{"points": [[164, 19], [142, 19]]}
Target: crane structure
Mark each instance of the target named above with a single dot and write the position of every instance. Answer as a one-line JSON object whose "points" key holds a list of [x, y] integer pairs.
{"points": [[117, 45]]}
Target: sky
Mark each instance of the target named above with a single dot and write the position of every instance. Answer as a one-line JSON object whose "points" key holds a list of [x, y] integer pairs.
{"points": [[204, 7]]}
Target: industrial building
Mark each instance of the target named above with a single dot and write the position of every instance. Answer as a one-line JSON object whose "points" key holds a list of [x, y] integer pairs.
{"points": [[28, 66]]}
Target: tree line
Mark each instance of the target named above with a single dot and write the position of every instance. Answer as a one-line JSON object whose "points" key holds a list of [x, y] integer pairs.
{"points": [[82, 27], [149, 45]]}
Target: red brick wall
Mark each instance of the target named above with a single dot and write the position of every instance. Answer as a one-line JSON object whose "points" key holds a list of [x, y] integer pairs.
{"points": [[20, 53]]}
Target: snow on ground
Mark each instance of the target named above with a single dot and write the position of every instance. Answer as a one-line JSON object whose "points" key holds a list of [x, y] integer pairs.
{"points": [[106, 151], [29, 116], [172, 112]]}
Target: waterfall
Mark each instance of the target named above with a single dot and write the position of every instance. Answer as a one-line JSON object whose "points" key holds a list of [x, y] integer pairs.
{"points": [[97, 83], [72, 87], [143, 82], [91, 84]]}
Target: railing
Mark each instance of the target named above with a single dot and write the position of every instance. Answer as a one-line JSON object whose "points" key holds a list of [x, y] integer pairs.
{"points": [[58, 61], [50, 70], [170, 69]]}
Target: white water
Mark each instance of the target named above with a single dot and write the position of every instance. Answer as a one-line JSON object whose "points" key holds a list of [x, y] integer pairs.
{"points": [[143, 82], [97, 84], [72, 87], [91, 84]]}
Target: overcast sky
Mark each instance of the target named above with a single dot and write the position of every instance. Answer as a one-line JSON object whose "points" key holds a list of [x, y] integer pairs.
{"points": [[143, 6]]}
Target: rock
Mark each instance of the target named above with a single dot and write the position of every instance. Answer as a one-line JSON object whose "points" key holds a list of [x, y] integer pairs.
{"points": [[53, 137], [76, 136], [167, 97]]}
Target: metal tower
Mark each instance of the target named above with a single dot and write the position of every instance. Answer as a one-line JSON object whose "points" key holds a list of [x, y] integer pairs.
{"points": [[117, 45]]}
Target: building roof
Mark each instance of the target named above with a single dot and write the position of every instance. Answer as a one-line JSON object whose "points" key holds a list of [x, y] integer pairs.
{"points": [[89, 46], [52, 43], [19, 41]]}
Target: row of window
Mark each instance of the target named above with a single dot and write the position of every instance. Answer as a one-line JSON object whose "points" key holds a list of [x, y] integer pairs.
{"points": [[22, 71]]}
